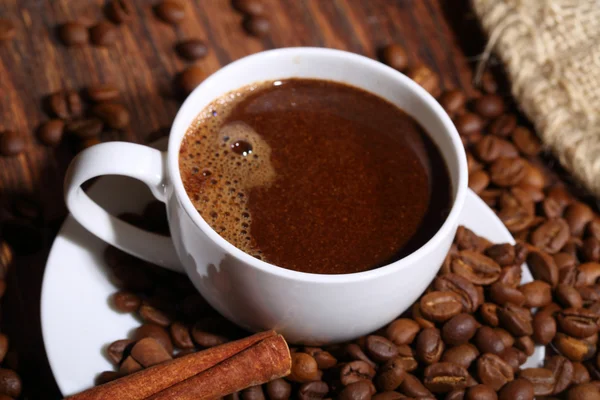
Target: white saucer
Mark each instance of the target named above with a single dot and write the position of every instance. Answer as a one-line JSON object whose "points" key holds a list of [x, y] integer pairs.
{"points": [[77, 321]]}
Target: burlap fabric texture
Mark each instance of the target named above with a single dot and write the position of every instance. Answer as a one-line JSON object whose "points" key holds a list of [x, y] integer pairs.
{"points": [[551, 51]]}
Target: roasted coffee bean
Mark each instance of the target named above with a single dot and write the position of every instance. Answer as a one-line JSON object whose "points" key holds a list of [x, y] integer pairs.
{"points": [[395, 56], [536, 178], [503, 126], [517, 320], [126, 302], [361, 390], [537, 294], [119, 11], [354, 352], [11, 144], [494, 371], [466, 239], [352, 372], [544, 328], [516, 198], [501, 294], [525, 344], [380, 349], [468, 124], [313, 390], [324, 359], [463, 355], [578, 322], [489, 106], [233, 396], [149, 352], [257, 26], [468, 293], [66, 104], [102, 92], [580, 374], [73, 34], [453, 101], [551, 208], [543, 267], [192, 49], [207, 339], [129, 366], [444, 377], [516, 219], [412, 387], [564, 260], [551, 236], [7, 29], [180, 334], [591, 249], [478, 181], [512, 357], [304, 368], [402, 331], [426, 78], [489, 314], [278, 389], [51, 132], [113, 115], [10, 383], [429, 346], [503, 254], [440, 306], [152, 315], [390, 375], [170, 11], [507, 171], [388, 396], [103, 377], [587, 274], [476, 268], [406, 357], [519, 389], [572, 348], [586, 391], [459, 329], [190, 78], [488, 149], [156, 332], [542, 380], [506, 337], [562, 369], [488, 341], [103, 34], [577, 216], [526, 141], [252, 393], [116, 350], [481, 392], [593, 228]]}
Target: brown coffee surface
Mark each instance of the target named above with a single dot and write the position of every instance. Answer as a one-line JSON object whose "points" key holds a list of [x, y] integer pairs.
{"points": [[315, 176]]}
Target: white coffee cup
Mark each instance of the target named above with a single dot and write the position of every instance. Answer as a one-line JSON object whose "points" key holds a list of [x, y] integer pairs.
{"points": [[305, 308]]}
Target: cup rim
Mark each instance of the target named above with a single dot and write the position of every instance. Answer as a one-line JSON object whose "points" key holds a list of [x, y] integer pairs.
{"points": [[178, 132]]}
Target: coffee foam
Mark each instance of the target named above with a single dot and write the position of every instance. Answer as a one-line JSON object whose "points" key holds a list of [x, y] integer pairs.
{"points": [[220, 162]]}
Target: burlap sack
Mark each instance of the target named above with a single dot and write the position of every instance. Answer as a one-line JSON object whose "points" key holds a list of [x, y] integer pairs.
{"points": [[551, 51]]}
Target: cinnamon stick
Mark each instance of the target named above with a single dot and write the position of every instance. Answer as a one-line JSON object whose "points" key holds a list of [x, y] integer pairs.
{"points": [[267, 360], [148, 382]]}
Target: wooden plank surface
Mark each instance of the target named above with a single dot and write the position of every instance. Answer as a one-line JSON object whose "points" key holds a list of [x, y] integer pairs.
{"points": [[142, 64]]}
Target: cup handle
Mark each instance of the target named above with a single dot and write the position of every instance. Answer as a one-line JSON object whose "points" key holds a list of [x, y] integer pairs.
{"points": [[120, 158]]}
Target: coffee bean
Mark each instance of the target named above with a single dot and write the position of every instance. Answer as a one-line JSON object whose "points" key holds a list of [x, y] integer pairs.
{"points": [[192, 49], [488, 341], [426, 78], [562, 370], [119, 11], [402, 331], [544, 328], [324, 359], [505, 337], [380, 349], [313, 390], [467, 240], [512, 357], [73, 34], [463, 355], [440, 306], [577, 216], [516, 219], [542, 380], [66, 104], [507, 171], [51, 132], [206, 339], [156, 332], [116, 350], [388, 396], [580, 374], [476, 268], [593, 228], [126, 302], [478, 181], [304, 368], [105, 377], [250, 7], [429, 346], [10, 383], [526, 141], [517, 320], [360, 390], [354, 371], [468, 293], [354, 352], [525, 344], [453, 101], [537, 294], [481, 392], [170, 11], [578, 322], [278, 389], [103, 34], [489, 314], [587, 274], [149, 352], [468, 124], [102, 92], [591, 249], [7, 29], [459, 329], [489, 106], [113, 115], [412, 387], [501, 294], [395, 56], [568, 296], [257, 26], [444, 377], [519, 389], [252, 393], [551, 236], [190, 78], [180, 334], [586, 391], [129, 366], [503, 126], [390, 375], [11, 144], [543, 267], [494, 371], [572, 348], [406, 357], [503, 254], [85, 128]]}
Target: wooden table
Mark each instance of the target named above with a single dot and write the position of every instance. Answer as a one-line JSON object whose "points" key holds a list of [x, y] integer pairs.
{"points": [[440, 33]]}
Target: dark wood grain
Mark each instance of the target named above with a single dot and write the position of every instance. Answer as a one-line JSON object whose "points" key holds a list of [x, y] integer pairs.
{"points": [[143, 64]]}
